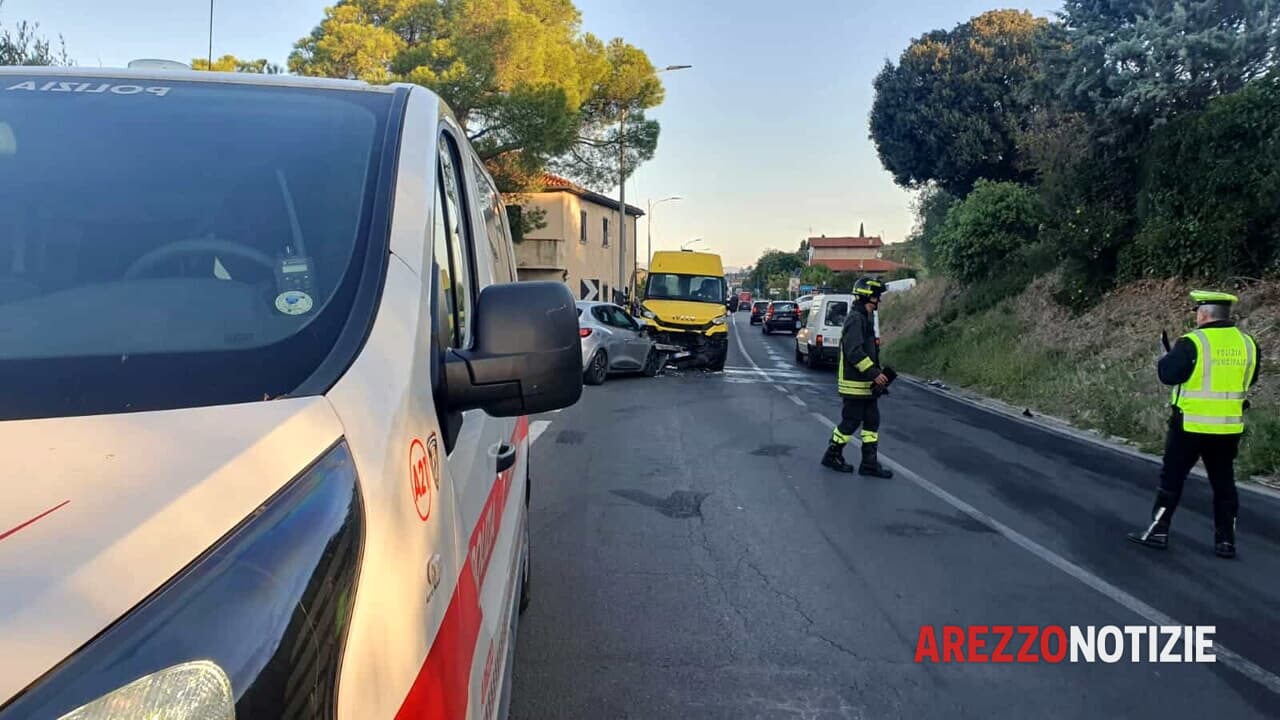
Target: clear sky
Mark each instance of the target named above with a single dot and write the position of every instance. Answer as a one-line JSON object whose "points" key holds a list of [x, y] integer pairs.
{"points": [[765, 137]]}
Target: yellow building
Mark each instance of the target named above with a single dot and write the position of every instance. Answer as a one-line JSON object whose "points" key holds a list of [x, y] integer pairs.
{"points": [[579, 243]]}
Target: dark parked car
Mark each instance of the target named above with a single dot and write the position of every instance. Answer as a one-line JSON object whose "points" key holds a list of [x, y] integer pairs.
{"points": [[781, 315], [757, 311]]}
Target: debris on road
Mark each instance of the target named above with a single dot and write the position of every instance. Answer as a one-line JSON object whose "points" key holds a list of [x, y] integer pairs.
{"points": [[938, 384]]}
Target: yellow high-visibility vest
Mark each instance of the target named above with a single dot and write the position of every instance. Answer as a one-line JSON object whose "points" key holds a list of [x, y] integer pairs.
{"points": [[1212, 399], [851, 387]]}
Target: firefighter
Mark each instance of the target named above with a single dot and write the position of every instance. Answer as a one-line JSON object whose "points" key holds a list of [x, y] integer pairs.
{"points": [[860, 381], [1210, 368]]}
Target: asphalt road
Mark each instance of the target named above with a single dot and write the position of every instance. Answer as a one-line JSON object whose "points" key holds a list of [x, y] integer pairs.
{"points": [[691, 559]]}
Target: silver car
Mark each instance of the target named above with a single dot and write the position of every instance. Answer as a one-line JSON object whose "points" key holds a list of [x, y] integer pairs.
{"points": [[613, 342]]}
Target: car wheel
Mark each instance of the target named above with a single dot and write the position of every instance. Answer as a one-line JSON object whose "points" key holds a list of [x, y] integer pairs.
{"points": [[598, 370], [811, 359], [652, 363], [799, 355]]}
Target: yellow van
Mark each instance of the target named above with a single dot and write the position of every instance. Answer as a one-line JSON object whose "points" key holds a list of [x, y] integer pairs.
{"points": [[684, 306]]}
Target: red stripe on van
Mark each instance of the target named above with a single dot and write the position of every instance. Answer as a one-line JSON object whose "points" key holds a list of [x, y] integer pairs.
{"points": [[440, 692]]}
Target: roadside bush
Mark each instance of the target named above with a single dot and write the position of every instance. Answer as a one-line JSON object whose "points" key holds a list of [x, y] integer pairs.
{"points": [[982, 231], [1210, 201]]}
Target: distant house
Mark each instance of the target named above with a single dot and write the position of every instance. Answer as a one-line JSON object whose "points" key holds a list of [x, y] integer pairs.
{"points": [[851, 254], [579, 243]]}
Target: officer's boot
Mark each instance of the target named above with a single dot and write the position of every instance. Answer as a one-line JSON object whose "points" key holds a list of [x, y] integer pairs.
{"points": [[871, 466], [834, 459], [1156, 535], [1224, 540]]}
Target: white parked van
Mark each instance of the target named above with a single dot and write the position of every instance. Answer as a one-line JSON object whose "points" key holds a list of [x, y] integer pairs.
{"points": [[266, 377], [818, 340]]}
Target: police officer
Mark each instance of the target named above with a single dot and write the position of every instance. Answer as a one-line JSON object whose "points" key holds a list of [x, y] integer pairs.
{"points": [[860, 381], [1210, 368]]}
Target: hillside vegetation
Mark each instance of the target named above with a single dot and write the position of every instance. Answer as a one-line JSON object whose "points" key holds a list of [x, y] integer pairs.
{"points": [[1095, 370]]}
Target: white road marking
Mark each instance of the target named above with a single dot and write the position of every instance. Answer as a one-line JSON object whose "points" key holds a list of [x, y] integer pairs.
{"points": [[1226, 656], [796, 400], [536, 428]]}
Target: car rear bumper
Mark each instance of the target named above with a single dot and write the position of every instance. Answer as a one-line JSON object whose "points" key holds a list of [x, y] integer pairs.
{"points": [[826, 353]]}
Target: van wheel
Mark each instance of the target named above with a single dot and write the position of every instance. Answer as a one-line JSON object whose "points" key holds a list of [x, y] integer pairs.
{"points": [[811, 360], [717, 365], [799, 355], [524, 578], [598, 370]]}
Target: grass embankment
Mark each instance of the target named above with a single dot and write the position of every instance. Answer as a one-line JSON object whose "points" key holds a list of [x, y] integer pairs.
{"points": [[1096, 370]]}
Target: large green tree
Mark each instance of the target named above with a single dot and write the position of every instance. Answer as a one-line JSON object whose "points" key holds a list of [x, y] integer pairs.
{"points": [[522, 78], [23, 45], [613, 112], [773, 263], [1132, 64], [948, 112]]}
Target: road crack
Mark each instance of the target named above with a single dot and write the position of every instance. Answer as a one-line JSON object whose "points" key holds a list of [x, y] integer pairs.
{"points": [[811, 625]]}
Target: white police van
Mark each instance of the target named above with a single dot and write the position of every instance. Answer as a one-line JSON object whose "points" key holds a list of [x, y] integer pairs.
{"points": [[264, 379]]}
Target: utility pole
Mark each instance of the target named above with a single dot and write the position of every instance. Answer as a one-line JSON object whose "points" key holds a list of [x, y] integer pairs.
{"points": [[622, 186], [622, 205], [210, 68]]}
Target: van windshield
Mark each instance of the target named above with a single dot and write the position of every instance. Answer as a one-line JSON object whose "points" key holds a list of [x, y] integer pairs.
{"points": [[174, 244], [695, 288]]}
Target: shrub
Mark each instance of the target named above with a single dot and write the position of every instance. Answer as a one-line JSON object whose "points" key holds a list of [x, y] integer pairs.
{"points": [[1210, 201], [982, 232]]}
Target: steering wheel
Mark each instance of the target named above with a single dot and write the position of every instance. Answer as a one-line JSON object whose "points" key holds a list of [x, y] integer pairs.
{"points": [[204, 246]]}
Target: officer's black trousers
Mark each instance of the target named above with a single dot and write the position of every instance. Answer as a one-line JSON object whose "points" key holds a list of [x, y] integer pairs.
{"points": [[1181, 451], [855, 412]]}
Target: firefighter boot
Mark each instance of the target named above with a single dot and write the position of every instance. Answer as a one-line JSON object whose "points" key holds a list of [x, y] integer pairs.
{"points": [[834, 459], [871, 466], [1224, 541], [1156, 535]]}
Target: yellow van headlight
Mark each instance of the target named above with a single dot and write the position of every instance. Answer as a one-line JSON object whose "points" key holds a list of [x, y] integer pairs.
{"points": [[718, 320]]}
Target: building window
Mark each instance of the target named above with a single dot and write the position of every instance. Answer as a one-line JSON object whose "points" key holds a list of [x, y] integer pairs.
{"points": [[582, 226], [605, 225]]}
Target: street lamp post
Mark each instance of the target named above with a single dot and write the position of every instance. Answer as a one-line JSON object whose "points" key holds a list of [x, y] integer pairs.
{"points": [[622, 187], [649, 230]]}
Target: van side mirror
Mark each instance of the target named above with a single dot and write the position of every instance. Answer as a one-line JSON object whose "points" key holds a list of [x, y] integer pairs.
{"points": [[527, 355]]}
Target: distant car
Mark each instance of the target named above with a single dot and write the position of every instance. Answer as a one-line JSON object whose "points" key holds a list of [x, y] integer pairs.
{"points": [[613, 342], [781, 315], [805, 302], [758, 309]]}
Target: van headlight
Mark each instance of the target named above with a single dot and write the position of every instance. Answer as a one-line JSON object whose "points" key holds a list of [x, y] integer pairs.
{"points": [[718, 320], [647, 314], [255, 627]]}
